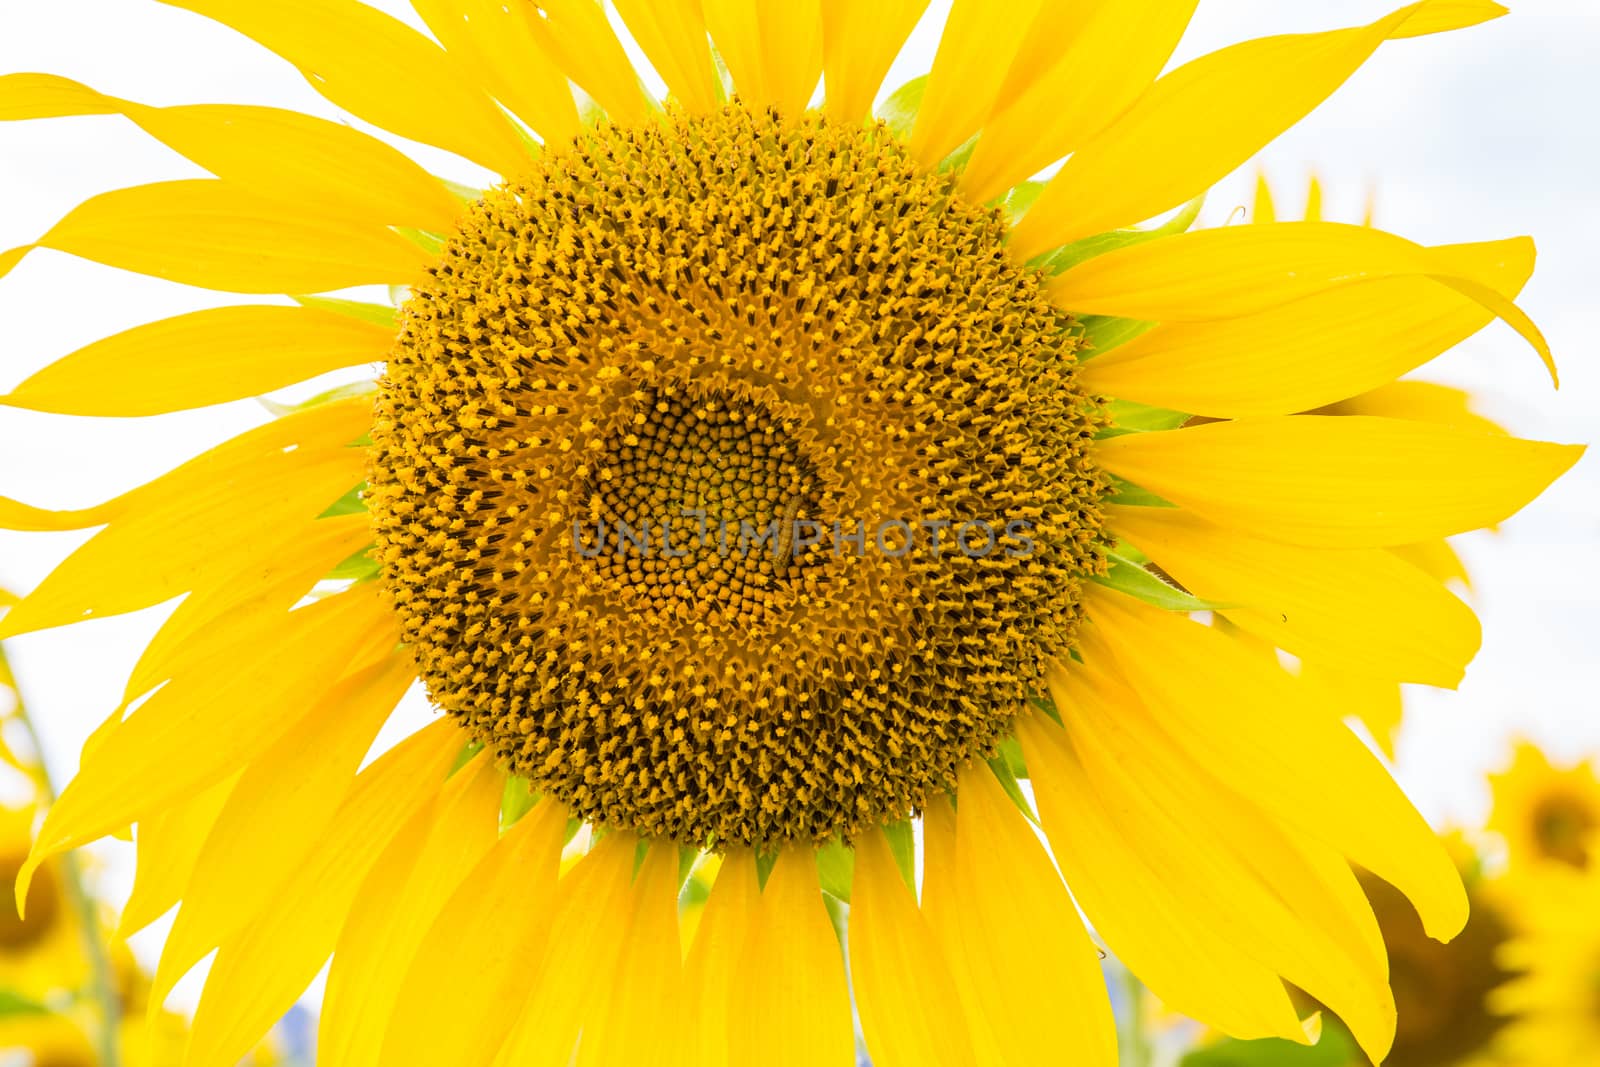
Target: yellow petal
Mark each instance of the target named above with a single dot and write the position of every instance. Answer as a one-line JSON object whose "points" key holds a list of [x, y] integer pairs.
{"points": [[215, 235], [1419, 401], [910, 1010], [1363, 607], [1339, 481], [460, 992], [1375, 701], [275, 153], [205, 357], [1273, 894], [169, 843], [494, 42], [378, 940], [1147, 916], [1263, 210], [1314, 200], [260, 972], [773, 51], [981, 37], [193, 732], [379, 69], [717, 954], [672, 34], [1308, 768], [15, 515], [1092, 77], [859, 43], [249, 601], [790, 1005], [577, 36], [1032, 970], [586, 938], [1206, 275], [631, 1018], [215, 514], [1438, 558], [1199, 123], [1313, 350], [284, 800]]}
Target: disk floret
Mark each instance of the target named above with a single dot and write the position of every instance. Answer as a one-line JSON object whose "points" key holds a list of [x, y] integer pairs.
{"points": [[807, 371]]}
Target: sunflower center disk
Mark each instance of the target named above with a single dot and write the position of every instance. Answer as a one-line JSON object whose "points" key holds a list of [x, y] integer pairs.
{"points": [[730, 481]]}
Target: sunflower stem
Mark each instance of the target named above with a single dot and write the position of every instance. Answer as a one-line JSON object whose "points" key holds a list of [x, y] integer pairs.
{"points": [[102, 981]]}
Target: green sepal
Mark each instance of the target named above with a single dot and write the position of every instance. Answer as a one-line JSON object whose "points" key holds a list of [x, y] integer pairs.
{"points": [[1070, 255], [365, 387], [1044, 704], [349, 504], [14, 1003], [1130, 417], [1133, 496], [516, 800], [430, 242], [836, 869], [765, 861], [1010, 751], [357, 568], [464, 757], [1126, 576], [466, 193], [687, 858], [382, 314], [1335, 1049], [1013, 788], [899, 111], [903, 846], [1016, 201], [1102, 333]]}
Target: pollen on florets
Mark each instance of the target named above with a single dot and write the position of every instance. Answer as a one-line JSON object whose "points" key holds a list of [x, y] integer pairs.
{"points": [[738, 325]]}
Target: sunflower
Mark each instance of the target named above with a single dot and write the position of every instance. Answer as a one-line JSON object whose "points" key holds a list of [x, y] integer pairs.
{"points": [[41, 949], [1548, 816], [739, 481], [1556, 957], [1443, 992]]}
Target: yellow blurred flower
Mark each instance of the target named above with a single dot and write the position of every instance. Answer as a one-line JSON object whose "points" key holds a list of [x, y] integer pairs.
{"points": [[1547, 815]]}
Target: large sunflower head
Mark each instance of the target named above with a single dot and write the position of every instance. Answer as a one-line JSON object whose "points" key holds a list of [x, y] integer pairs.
{"points": [[754, 474]]}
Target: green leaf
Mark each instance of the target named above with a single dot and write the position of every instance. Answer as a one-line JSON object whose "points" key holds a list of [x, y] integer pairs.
{"points": [[1129, 417], [382, 314], [899, 112], [1102, 333], [836, 867], [1336, 1049], [1013, 788], [1070, 255], [14, 1003], [516, 800], [1129, 577]]}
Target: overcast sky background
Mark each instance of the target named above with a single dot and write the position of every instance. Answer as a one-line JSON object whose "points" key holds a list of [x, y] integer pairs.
{"points": [[1469, 136]]}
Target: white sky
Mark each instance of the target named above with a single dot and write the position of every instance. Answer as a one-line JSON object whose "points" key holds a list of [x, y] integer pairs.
{"points": [[1482, 134]]}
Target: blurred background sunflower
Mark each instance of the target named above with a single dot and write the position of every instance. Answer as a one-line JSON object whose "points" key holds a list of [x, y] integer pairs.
{"points": [[283, 944]]}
